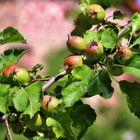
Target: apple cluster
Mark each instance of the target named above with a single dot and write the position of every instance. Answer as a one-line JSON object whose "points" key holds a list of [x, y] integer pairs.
{"points": [[83, 52]]}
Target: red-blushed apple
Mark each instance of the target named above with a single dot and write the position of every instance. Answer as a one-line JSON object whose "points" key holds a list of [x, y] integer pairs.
{"points": [[73, 61], [94, 51], [19, 74], [49, 102], [125, 54], [76, 44]]}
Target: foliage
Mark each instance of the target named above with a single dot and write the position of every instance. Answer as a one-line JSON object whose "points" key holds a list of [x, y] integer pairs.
{"points": [[21, 105]]}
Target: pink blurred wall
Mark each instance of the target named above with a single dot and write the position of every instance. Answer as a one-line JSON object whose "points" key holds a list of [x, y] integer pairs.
{"points": [[42, 23]]}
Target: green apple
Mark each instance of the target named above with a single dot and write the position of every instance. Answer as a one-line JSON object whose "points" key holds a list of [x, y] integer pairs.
{"points": [[95, 14], [49, 102], [21, 75], [73, 61], [76, 44], [125, 54], [94, 51]]}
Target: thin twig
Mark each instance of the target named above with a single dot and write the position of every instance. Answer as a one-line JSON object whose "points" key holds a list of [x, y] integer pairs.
{"points": [[54, 79], [123, 29], [130, 39], [7, 127]]}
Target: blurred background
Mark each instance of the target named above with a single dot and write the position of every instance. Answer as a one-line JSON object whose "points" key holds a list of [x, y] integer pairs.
{"points": [[45, 25]]}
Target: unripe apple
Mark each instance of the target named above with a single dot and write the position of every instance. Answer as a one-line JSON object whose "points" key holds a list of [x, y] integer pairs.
{"points": [[94, 51], [76, 44], [73, 61], [95, 14], [21, 75], [49, 102], [125, 54]]}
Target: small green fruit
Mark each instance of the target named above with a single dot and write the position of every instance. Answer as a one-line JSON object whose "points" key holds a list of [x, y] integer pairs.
{"points": [[76, 44], [94, 51], [73, 61], [21, 75], [95, 14], [125, 54], [49, 102]]}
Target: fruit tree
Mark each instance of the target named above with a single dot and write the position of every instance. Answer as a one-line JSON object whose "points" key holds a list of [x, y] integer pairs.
{"points": [[98, 55]]}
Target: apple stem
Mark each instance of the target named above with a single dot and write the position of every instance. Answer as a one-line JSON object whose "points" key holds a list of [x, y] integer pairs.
{"points": [[4, 118], [54, 79], [69, 36]]}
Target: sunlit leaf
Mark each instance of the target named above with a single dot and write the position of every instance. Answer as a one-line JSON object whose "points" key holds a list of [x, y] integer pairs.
{"points": [[11, 35], [4, 93]]}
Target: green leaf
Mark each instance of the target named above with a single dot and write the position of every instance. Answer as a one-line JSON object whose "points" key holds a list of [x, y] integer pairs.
{"points": [[109, 38], [40, 138], [134, 62], [133, 67], [83, 5], [91, 36], [136, 42], [4, 92], [34, 95], [10, 57], [82, 25], [56, 126], [11, 35], [101, 85], [79, 73], [61, 124], [119, 15], [132, 90], [132, 71], [20, 100], [78, 85], [83, 117], [135, 21]]}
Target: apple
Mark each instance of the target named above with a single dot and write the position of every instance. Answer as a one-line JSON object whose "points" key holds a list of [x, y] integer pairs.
{"points": [[76, 44], [94, 51], [73, 61], [49, 102], [125, 54], [95, 14], [19, 74]]}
